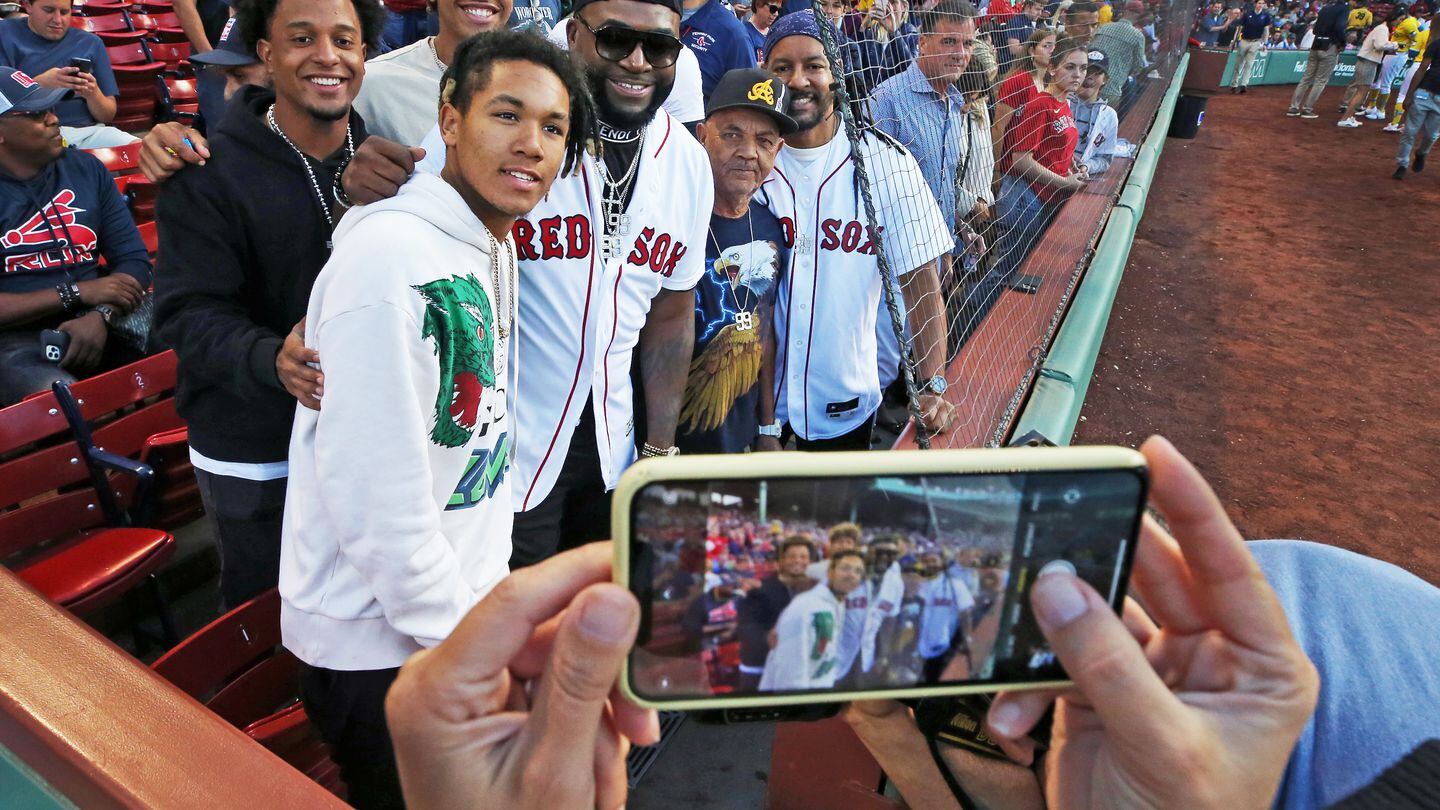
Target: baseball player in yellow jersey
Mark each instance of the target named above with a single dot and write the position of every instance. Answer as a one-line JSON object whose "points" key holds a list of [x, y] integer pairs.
{"points": [[1361, 18], [1417, 51], [1403, 30]]}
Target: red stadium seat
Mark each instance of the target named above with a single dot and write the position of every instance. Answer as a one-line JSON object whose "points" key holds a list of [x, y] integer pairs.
{"points": [[96, 9], [141, 193], [180, 98], [114, 20], [66, 506], [151, 237], [175, 55], [237, 667], [114, 39], [119, 160]]}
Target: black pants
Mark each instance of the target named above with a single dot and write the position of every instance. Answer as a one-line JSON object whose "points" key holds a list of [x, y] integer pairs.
{"points": [[577, 510], [857, 439], [245, 517], [348, 708]]}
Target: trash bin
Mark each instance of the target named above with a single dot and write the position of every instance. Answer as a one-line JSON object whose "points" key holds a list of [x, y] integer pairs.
{"points": [[1206, 70], [1189, 115]]}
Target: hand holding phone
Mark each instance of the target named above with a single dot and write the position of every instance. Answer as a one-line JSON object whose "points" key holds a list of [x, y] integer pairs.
{"points": [[1213, 698], [83, 64], [54, 344]]}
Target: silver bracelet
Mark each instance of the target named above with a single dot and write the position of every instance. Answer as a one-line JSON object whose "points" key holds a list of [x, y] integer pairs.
{"points": [[649, 450]]}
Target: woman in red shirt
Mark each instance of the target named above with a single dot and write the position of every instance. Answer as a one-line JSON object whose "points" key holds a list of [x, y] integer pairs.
{"points": [[1038, 168], [1025, 81]]}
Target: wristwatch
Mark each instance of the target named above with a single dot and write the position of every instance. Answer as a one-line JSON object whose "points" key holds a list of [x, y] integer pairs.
{"points": [[772, 430], [934, 385], [107, 313]]}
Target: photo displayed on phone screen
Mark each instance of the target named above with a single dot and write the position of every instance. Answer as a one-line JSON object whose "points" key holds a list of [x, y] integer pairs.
{"points": [[789, 585]]}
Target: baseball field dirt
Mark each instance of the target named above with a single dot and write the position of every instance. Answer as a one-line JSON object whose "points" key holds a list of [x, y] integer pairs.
{"points": [[1276, 321]]}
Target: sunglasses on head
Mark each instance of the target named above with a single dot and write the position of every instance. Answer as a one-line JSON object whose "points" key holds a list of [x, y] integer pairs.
{"points": [[615, 43]]}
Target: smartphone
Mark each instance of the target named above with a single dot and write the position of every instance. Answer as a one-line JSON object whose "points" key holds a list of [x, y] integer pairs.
{"points": [[54, 344], [85, 65], [740, 612]]}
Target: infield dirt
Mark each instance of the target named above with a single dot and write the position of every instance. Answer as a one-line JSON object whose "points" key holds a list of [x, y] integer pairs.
{"points": [[1276, 322]]}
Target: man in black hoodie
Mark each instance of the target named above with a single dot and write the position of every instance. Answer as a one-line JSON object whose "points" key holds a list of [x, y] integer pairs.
{"points": [[243, 238], [1324, 55]]}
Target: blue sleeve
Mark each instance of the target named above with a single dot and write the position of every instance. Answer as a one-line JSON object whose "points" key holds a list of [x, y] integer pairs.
{"points": [[742, 53], [120, 241], [104, 73], [884, 113]]}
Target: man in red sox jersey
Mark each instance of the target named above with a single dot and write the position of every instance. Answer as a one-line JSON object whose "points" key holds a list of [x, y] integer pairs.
{"points": [[827, 391], [608, 262]]}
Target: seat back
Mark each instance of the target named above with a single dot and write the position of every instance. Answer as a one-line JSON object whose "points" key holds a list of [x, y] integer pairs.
{"points": [[120, 159], [115, 20], [130, 53], [45, 486], [173, 54], [235, 665]]}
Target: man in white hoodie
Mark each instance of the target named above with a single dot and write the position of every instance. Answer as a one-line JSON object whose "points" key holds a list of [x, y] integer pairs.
{"points": [[806, 654], [400, 518]]}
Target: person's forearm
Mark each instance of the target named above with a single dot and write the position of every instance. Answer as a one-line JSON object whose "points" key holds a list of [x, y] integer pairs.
{"points": [[899, 748], [137, 267], [666, 345], [21, 308], [1027, 168], [921, 288], [192, 25], [101, 107]]}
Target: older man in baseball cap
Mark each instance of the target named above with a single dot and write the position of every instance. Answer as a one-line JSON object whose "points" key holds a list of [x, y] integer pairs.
{"points": [[724, 409]]}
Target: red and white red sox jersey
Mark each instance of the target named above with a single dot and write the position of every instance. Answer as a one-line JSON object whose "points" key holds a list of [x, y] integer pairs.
{"points": [[825, 312], [576, 306]]}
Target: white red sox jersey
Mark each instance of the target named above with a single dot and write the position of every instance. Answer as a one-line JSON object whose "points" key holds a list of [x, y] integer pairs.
{"points": [[825, 313], [580, 314]]}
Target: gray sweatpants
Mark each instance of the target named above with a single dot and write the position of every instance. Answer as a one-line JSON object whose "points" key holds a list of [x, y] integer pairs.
{"points": [[1422, 122]]}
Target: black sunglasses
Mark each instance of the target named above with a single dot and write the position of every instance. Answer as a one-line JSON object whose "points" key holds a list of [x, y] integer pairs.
{"points": [[773, 9], [616, 42], [33, 115]]}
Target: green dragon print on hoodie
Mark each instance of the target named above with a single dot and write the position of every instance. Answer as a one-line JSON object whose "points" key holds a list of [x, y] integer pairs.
{"points": [[459, 318]]}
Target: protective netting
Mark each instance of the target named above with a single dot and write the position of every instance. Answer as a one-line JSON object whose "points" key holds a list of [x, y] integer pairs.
{"points": [[1022, 241]]}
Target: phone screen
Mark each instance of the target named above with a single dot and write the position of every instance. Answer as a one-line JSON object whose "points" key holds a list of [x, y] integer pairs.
{"points": [[744, 593]]}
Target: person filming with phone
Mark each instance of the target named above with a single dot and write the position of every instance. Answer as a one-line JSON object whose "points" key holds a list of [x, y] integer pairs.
{"points": [[1203, 709], [44, 45]]}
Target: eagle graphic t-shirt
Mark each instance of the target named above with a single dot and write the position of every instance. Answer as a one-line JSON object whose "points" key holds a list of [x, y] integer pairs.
{"points": [[734, 301]]}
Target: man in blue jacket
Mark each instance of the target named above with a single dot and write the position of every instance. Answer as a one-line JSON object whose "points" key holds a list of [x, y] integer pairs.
{"points": [[44, 45], [59, 214], [718, 40]]}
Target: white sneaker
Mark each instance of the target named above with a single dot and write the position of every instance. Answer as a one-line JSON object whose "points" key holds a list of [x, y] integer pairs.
{"points": [[1391, 128], [1348, 123], [1375, 114]]}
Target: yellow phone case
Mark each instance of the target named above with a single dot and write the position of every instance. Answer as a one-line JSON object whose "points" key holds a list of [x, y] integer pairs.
{"points": [[840, 465]]}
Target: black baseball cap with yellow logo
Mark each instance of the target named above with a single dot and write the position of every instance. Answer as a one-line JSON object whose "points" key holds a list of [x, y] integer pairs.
{"points": [[755, 89]]}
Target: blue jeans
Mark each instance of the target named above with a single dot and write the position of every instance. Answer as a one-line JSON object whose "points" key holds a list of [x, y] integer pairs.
{"points": [[1422, 123], [23, 368], [1021, 219], [403, 28], [1370, 629]]}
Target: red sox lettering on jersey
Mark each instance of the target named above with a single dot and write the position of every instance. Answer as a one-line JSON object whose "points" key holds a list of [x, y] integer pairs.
{"points": [[580, 315], [825, 313], [56, 233]]}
